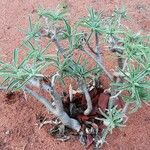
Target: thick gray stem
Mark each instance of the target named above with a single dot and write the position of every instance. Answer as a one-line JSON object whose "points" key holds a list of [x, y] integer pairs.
{"points": [[87, 97], [3, 88], [41, 99], [69, 122], [57, 99], [50, 89], [59, 110]]}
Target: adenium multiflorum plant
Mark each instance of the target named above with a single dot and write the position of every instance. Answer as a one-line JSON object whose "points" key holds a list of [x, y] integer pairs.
{"points": [[129, 81]]}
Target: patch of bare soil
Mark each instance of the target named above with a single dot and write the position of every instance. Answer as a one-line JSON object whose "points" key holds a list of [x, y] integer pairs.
{"points": [[20, 117]]}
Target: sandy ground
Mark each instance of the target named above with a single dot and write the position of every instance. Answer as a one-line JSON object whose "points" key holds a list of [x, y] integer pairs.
{"points": [[18, 118]]}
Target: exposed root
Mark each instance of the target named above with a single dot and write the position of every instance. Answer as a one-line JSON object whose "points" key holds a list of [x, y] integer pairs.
{"points": [[54, 122]]}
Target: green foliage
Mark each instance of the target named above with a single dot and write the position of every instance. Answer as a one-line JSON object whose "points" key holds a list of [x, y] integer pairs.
{"points": [[134, 45], [144, 94], [53, 15], [93, 21], [119, 14], [78, 40], [135, 81], [75, 69], [113, 24], [113, 118], [16, 74], [33, 30], [38, 52], [135, 49]]}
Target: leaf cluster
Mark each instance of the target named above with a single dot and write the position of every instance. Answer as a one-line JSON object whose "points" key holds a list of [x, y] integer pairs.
{"points": [[112, 118]]}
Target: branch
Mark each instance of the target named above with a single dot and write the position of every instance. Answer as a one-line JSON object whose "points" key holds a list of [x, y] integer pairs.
{"points": [[113, 93], [87, 97], [116, 95], [3, 88], [125, 109], [123, 67], [59, 111], [87, 43], [125, 64], [50, 88], [98, 53], [103, 67], [41, 99], [90, 48], [55, 40], [52, 35], [120, 62]]}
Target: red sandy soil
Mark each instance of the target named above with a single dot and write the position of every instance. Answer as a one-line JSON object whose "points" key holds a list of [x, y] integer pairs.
{"points": [[18, 117]]}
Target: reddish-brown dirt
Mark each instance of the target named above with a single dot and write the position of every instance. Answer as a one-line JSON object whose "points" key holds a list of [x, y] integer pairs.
{"points": [[18, 117]]}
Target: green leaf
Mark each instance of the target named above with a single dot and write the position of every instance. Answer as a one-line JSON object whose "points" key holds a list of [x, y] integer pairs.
{"points": [[68, 27], [30, 24], [15, 58], [138, 100], [23, 83], [145, 85], [5, 80], [46, 48], [12, 84], [8, 74]]}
